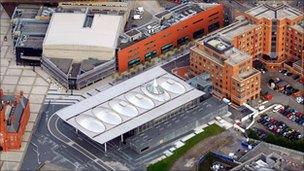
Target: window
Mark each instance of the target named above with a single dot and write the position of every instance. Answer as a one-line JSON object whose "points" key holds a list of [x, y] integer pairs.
{"points": [[134, 62], [197, 21], [166, 48], [198, 34], [150, 55], [213, 14]]}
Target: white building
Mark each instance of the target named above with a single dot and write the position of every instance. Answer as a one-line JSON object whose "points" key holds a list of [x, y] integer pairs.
{"points": [[154, 95], [82, 35]]}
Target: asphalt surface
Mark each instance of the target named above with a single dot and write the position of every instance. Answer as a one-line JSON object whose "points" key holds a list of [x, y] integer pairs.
{"points": [[280, 97], [45, 147]]}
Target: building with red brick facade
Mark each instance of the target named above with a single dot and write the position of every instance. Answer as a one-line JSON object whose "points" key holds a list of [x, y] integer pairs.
{"points": [[230, 69], [281, 36], [14, 116], [272, 34], [169, 29]]}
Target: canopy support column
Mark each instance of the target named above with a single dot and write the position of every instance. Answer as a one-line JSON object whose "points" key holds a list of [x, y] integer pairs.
{"points": [[121, 138]]}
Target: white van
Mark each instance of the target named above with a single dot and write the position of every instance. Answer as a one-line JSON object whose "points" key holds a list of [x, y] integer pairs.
{"points": [[277, 108], [137, 17], [261, 108], [227, 101]]}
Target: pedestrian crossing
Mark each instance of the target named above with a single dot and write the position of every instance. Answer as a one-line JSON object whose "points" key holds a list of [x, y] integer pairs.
{"points": [[57, 97]]}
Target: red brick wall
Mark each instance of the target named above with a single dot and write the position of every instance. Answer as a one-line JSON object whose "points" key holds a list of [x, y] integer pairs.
{"points": [[169, 35]]}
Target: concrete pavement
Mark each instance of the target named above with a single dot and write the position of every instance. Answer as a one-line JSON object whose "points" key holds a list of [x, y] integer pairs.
{"points": [[13, 79]]}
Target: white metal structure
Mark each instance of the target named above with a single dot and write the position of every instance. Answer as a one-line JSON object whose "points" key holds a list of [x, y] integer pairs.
{"points": [[135, 101]]}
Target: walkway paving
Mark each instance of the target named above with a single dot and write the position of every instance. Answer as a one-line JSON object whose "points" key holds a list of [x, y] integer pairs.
{"points": [[14, 78]]}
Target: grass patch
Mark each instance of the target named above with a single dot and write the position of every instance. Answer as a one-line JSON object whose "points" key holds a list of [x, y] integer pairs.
{"points": [[166, 164], [278, 140]]}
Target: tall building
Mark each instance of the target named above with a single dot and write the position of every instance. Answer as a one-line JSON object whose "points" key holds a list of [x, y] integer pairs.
{"points": [[230, 69], [78, 61], [280, 38], [272, 34], [14, 115], [168, 29]]}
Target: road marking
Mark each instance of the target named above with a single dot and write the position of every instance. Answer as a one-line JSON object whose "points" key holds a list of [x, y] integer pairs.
{"points": [[78, 147]]}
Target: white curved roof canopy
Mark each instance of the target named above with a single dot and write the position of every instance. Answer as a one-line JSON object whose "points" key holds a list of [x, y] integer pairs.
{"points": [[171, 85], [115, 99], [90, 123], [154, 91], [106, 115], [140, 100], [124, 108]]}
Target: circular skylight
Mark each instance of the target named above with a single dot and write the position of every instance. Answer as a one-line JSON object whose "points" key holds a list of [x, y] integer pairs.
{"points": [[106, 115], [90, 123], [154, 91], [123, 107], [172, 85], [139, 100], [154, 88]]}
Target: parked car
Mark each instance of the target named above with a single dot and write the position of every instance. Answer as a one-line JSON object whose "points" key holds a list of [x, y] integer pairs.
{"points": [[283, 71], [261, 108], [227, 101], [299, 100], [278, 107], [279, 127], [289, 74], [295, 77]]}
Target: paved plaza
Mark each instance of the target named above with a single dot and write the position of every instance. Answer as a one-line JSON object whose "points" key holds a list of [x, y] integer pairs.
{"points": [[14, 78]]}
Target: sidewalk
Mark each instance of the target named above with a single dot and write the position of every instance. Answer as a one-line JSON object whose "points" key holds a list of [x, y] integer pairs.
{"points": [[15, 78]]}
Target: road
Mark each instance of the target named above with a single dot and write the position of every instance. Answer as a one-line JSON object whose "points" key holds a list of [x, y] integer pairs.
{"points": [[56, 148], [53, 128]]}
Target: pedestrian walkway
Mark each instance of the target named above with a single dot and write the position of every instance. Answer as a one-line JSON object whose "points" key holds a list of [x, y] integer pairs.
{"points": [[59, 96], [13, 79]]}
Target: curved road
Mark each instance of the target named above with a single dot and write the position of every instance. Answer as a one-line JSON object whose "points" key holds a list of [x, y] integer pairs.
{"points": [[55, 132]]}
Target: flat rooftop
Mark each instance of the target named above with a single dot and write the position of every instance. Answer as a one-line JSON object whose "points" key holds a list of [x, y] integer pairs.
{"points": [[291, 159], [32, 27], [17, 111], [274, 11], [153, 136], [229, 54], [299, 27], [26, 11], [236, 29], [30, 41], [235, 56], [84, 29], [218, 44], [129, 104], [164, 20], [247, 74]]}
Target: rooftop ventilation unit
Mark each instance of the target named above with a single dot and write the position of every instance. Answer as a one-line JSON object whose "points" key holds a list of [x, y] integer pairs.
{"points": [[221, 46]]}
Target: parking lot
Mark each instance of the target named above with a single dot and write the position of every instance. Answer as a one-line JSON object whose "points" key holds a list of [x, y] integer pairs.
{"points": [[270, 124], [288, 122], [278, 97]]}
